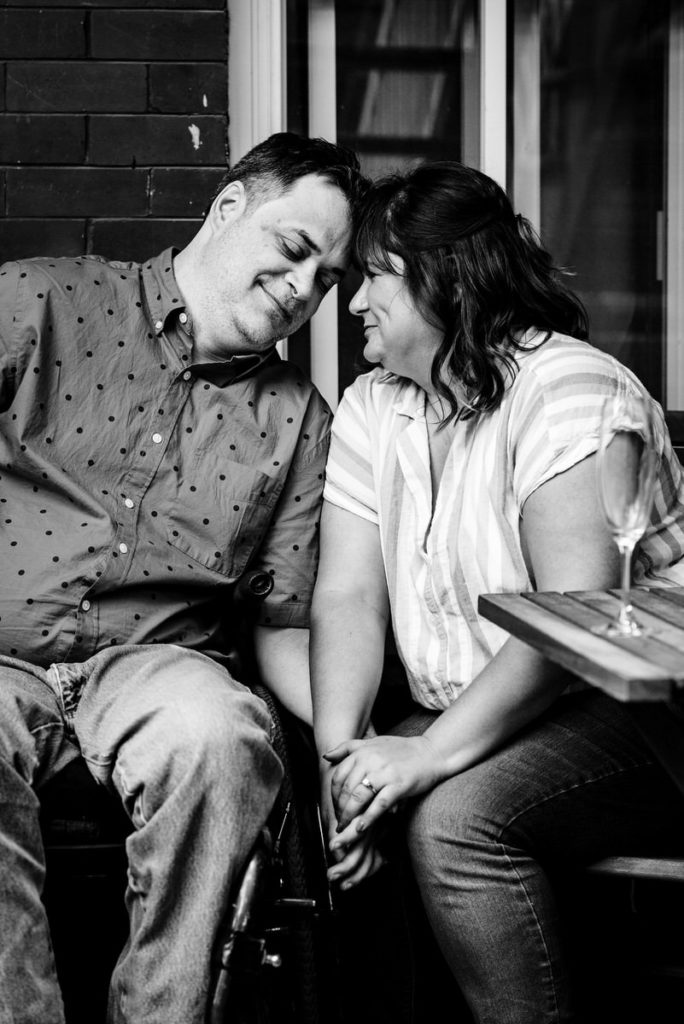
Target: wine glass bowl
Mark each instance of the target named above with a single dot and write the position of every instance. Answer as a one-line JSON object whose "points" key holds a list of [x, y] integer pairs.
{"points": [[626, 472]]}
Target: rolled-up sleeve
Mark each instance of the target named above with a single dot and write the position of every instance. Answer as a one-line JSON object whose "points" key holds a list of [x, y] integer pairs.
{"points": [[350, 481]]}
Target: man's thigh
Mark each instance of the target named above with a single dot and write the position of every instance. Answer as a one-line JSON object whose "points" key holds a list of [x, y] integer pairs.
{"points": [[33, 734], [148, 700]]}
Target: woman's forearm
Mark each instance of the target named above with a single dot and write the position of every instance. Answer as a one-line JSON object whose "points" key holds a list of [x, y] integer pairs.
{"points": [[347, 652], [517, 685]]}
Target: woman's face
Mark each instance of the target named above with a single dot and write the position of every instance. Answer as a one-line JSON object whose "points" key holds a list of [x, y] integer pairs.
{"points": [[397, 335]]}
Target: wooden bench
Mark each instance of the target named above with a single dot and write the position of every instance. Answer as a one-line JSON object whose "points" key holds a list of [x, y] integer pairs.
{"points": [[666, 869]]}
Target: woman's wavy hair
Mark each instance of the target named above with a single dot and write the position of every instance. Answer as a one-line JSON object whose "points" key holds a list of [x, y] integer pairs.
{"points": [[474, 270]]}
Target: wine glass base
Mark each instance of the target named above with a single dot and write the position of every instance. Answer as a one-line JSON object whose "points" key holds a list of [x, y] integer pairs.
{"points": [[622, 630]]}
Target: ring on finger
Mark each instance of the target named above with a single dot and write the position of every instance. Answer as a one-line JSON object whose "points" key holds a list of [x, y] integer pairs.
{"points": [[365, 781]]}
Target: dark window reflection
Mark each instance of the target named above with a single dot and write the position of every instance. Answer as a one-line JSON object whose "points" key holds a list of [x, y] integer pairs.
{"points": [[602, 73]]}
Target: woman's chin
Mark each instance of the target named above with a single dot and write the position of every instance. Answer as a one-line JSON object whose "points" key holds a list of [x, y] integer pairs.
{"points": [[372, 356]]}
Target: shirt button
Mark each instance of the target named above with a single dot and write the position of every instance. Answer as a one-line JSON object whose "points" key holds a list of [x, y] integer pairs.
{"points": [[128, 503], [123, 548], [187, 375], [157, 438], [85, 605], [183, 318], [158, 325]]}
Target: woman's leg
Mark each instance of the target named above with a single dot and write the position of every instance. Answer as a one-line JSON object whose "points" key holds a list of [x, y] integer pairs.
{"points": [[577, 785], [33, 747], [189, 751]]}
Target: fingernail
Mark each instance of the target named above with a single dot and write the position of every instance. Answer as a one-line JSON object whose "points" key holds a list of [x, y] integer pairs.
{"points": [[361, 826]]}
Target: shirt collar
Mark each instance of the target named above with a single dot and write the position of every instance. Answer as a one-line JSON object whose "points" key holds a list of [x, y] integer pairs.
{"points": [[165, 304], [161, 291], [408, 399], [235, 367]]}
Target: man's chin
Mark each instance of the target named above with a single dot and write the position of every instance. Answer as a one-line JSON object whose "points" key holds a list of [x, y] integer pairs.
{"points": [[261, 334], [263, 329]]}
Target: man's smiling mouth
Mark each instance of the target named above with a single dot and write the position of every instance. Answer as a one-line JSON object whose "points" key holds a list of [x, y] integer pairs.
{"points": [[286, 314]]}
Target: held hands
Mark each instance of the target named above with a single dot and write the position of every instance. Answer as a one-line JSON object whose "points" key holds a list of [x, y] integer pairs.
{"points": [[369, 779], [373, 775], [356, 859]]}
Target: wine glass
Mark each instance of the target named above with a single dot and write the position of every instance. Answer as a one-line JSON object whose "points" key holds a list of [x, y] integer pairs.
{"points": [[626, 473]]}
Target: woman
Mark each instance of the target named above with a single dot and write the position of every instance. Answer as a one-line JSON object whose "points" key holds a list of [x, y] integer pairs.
{"points": [[464, 463]]}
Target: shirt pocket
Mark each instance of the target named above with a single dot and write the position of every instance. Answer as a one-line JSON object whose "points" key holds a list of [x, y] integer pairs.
{"points": [[222, 523]]}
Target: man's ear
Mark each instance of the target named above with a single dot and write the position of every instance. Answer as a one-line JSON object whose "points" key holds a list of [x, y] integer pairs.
{"points": [[229, 205]]}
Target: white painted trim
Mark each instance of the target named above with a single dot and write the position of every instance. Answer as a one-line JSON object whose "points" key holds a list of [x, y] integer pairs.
{"points": [[256, 72], [323, 122], [256, 77], [493, 89], [526, 87], [674, 264]]}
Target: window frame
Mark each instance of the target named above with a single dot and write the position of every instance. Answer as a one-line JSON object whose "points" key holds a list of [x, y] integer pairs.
{"points": [[258, 106]]}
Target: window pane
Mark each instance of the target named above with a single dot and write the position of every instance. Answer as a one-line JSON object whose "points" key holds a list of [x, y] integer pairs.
{"points": [[589, 149]]}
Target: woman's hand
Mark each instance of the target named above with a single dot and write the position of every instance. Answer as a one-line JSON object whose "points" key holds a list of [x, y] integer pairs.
{"points": [[373, 775]]}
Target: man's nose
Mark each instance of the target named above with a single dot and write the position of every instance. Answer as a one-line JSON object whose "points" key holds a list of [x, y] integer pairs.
{"points": [[301, 279]]}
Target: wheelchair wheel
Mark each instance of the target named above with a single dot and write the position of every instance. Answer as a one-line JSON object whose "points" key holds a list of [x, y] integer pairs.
{"points": [[306, 984]]}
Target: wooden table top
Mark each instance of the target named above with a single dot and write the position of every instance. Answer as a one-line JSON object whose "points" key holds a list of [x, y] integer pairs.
{"points": [[645, 668]]}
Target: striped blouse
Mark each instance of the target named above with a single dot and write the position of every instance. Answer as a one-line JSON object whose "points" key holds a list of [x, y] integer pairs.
{"points": [[437, 565]]}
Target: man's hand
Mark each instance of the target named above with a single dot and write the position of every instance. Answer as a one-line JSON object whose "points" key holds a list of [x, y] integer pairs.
{"points": [[355, 856], [356, 861]]}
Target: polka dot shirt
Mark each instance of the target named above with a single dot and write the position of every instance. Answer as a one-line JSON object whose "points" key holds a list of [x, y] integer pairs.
{"points": [[135, 484]]}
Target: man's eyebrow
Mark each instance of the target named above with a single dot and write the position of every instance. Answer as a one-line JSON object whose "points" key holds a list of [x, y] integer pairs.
{"points": [[306, 238]]}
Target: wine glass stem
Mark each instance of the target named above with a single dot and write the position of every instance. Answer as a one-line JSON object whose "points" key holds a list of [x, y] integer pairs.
{"points": [[625, 548]]}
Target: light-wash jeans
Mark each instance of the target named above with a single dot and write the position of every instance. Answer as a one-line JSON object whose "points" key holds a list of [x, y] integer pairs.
{"points": [[577, 785], [188, 751]]}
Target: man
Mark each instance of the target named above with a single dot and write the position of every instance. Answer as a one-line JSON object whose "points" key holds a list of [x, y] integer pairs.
{"points": [[152, 447]]}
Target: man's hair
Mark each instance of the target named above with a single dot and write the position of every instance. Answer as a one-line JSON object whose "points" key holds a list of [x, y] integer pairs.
{"points": [[274, 165], [474, 270]]}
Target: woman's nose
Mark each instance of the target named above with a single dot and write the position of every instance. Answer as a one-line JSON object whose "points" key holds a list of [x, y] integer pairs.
{"points": [[359, 301]]}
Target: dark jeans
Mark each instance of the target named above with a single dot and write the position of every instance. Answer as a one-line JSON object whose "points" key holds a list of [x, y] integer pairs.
{"points": [[577, 785]]}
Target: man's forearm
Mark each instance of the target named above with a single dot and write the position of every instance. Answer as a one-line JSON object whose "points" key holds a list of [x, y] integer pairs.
{"points": [[282, 656]]}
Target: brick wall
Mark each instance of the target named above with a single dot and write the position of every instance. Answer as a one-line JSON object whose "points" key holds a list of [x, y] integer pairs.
{"points": [[113, 123]]}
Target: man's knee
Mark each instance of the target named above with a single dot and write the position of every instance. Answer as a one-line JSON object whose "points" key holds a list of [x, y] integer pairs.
{"points": [[226, 727], [213, 739]]}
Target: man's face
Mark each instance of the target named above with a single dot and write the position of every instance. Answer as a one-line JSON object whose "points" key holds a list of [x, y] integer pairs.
{"points": [[268, 267]]}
